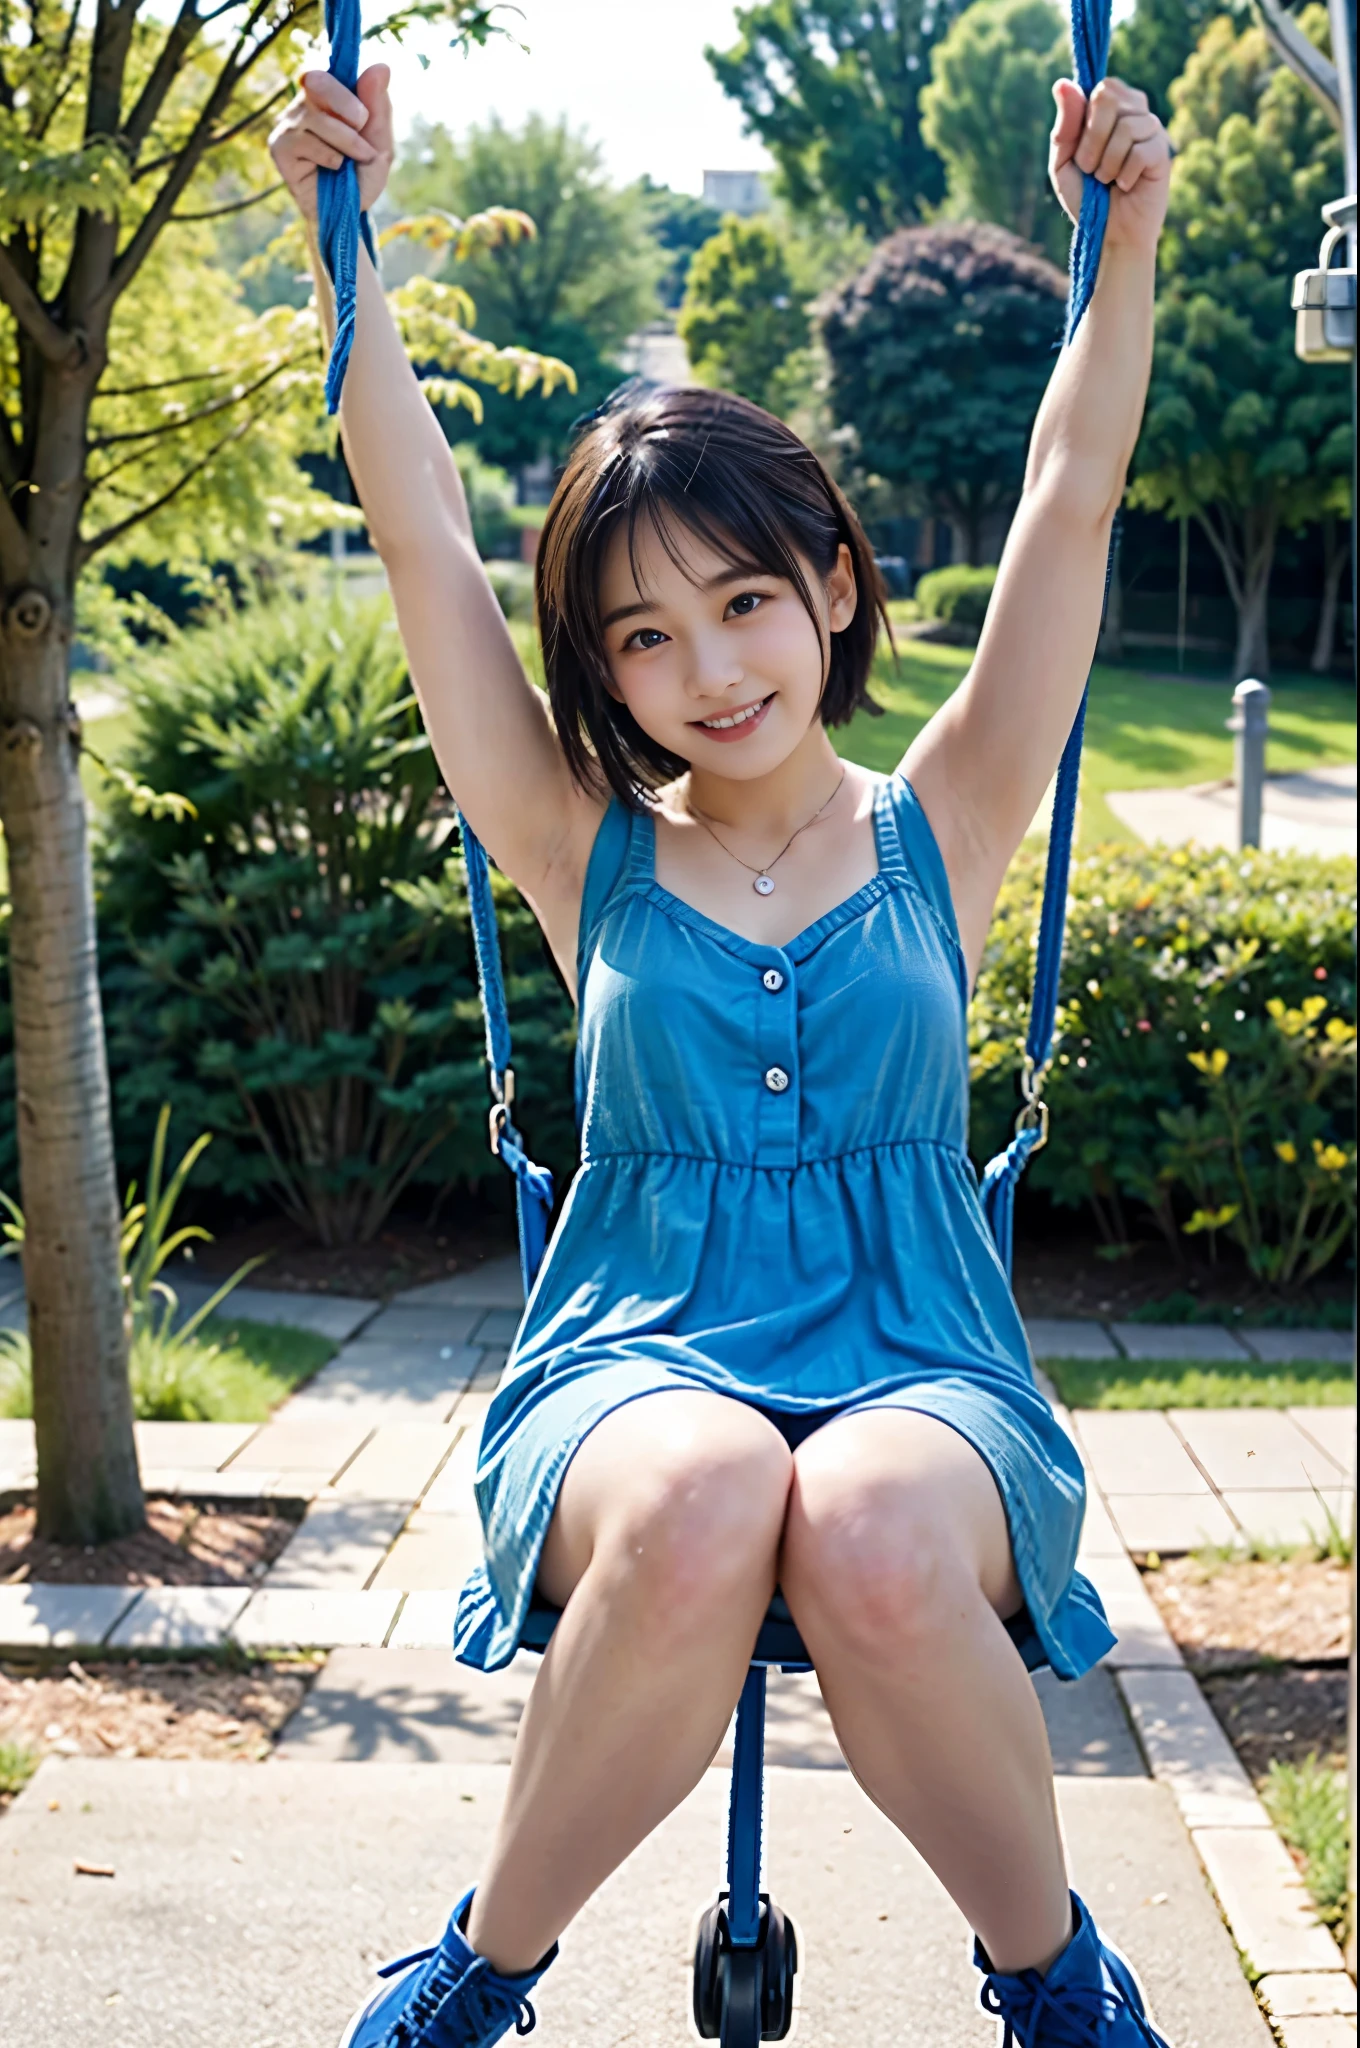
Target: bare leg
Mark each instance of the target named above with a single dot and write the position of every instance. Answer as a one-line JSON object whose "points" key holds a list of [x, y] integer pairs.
{"points": [[897, 1567], [662, 1552]]}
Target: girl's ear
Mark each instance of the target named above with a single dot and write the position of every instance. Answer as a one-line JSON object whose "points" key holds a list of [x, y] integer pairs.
{"points": [[842, 592]]}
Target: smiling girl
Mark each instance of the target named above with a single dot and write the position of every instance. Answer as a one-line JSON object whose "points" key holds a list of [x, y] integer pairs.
{"points": [[772, 1342]]}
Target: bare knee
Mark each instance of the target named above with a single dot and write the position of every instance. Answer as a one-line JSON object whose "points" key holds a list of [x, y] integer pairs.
{"points": [[701, 1524], [875, 1570]]}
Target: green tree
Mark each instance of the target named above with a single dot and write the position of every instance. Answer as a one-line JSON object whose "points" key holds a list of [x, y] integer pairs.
{"points": [[831, 87], [680, 224], [987, 112], [742, 317], [1152, 47], [577, 290], [142, 403], [1239, 435], [939, 354]]}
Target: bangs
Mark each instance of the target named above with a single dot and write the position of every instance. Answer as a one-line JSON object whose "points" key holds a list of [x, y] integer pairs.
{"points": [[714, 467]]}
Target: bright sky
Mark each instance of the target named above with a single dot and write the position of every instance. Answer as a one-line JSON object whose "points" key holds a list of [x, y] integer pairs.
{"points": [[631, 72]]}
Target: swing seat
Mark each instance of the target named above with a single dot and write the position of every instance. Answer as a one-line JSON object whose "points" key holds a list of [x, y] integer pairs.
{"points": [[746, 1952]]}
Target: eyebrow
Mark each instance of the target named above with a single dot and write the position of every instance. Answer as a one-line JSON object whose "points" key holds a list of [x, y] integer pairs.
{"points": [[737, 575]]}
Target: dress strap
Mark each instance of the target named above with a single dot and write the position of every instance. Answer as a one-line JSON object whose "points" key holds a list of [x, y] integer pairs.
{"points": [[921, 852], [612, 864]]}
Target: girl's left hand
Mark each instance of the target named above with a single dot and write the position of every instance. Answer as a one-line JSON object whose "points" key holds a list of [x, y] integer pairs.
{"points": [[1115, 136]]}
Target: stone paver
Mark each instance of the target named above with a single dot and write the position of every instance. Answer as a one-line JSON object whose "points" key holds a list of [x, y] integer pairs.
{"points": [[1317, 2033], [498, 1326], [399, 1460], [432, 1553], [407, 1381], [1288, 1347], [209, 1937], [1253, 1447], [1291, 1517], [190, 1447], [425, 1622], [18, 1457], [408, 1322], [304, 1444], [1069, 1337], [293, 1616], [1171, 1521], [1099, 1537], [336, 1316], [451, 1493], [180, 1618], [495, 1283], [340, 1544], [1188, 1750], [1310, 811], [36, 1617], [1206, 1343], [1263, 1896], [1333, 1430], [412, 1704], [1136, 1451], [1316, 1994]]}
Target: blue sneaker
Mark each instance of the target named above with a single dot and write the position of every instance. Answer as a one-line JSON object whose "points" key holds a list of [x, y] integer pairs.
{"points": [[1088, 1997], [445, 1997]]}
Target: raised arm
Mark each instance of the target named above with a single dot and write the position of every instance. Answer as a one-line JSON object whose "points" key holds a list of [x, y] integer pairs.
{"points": [[983, 763], [489, 726]]}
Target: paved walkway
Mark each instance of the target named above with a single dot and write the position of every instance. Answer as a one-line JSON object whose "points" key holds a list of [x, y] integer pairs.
{"points": [[1310, 812], [208, 1934]]}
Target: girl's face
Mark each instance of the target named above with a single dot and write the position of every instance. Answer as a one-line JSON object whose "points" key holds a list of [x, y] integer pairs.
{"points": [[721, 666]]}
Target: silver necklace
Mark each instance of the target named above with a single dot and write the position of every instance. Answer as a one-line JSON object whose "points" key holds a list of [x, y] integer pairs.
{"points": [[764, 880]]}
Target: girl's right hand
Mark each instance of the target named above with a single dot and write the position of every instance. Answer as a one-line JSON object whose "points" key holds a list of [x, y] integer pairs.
{"points": [[325, 124]]}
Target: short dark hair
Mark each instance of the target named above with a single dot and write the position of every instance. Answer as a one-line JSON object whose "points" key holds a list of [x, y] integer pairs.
{"points": [[736, 478]]}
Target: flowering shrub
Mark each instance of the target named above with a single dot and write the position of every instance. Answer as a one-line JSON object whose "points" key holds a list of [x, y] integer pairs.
{"points": [[1205, 1064]]}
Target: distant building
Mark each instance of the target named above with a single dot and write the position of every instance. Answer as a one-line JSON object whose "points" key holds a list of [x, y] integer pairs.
{"points": [[657, 355], [740, 192]]}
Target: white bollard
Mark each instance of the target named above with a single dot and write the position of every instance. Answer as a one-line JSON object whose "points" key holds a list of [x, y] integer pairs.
{"points": [[1249, 724]]}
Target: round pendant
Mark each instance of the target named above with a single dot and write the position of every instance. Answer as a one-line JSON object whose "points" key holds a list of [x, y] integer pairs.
{"points": [[763, 885]]}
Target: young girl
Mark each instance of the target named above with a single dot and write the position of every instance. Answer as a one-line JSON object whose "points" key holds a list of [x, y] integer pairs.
{"points": [[772, 1341]]}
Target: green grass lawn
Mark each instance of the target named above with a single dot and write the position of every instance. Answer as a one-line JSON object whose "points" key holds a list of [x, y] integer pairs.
{"points": [[232, 1370], [1176, 1383], [1143, 731]]}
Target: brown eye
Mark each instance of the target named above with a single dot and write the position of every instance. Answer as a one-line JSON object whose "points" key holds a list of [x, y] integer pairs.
{"points": [[746, 602]]}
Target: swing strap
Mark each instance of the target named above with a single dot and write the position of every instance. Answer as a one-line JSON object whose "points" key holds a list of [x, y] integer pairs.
{"points": [[339, 220], [533, 1184], [1091, 54]]}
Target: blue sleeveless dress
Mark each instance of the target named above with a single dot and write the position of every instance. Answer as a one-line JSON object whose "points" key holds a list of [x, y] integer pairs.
{"points": [[775, 1203]]}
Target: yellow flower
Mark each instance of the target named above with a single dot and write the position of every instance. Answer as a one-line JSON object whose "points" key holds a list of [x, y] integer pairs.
{"points": [[1210, 1219], [1339, 1031], [1288, 1151], [1211, 1063], [1275, 1007], [1313, 1006], [1093, 988], [1330, 1158]]}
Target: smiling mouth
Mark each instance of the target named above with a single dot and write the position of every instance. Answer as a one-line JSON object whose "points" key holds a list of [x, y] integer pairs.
{"points": [[733, 721]]}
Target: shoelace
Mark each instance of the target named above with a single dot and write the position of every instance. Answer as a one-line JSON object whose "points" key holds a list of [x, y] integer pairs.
{"points": [[487, 2004], [1078, 2016]]}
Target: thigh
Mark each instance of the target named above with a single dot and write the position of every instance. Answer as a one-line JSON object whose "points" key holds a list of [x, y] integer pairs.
{"points": [[666, 1445], [882, 1480]]}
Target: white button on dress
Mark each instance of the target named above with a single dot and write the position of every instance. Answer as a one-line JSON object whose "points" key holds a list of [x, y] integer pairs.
{"points": [[773, 980], [776, 1080]]}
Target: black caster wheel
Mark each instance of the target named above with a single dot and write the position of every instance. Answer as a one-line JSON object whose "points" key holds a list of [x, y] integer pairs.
{"points": [[743, 1996]]}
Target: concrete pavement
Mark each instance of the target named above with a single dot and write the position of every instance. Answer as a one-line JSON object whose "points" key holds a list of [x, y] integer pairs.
{"points": [[249, 1906]]}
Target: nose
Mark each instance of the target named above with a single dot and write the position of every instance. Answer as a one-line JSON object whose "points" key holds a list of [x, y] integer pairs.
{"points": [[713, 669]]}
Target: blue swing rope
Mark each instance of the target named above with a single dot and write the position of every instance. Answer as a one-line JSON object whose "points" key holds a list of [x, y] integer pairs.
{"points": [[341, 224]]}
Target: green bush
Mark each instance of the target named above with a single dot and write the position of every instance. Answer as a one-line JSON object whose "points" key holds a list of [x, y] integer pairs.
{"points": [[290, 966], [513, 583], [958, 595], [491, 501], [1205, 1068]]}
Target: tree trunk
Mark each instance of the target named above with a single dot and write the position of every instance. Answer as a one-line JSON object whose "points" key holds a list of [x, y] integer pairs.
{"points": [[1252, 655], [89, 1490], [1336, 547]]}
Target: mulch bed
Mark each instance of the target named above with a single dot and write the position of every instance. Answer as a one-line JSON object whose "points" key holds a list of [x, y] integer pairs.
{"points": [[1058, 1273], [181, 1711], [185, 1543], [1268, 1643]]}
